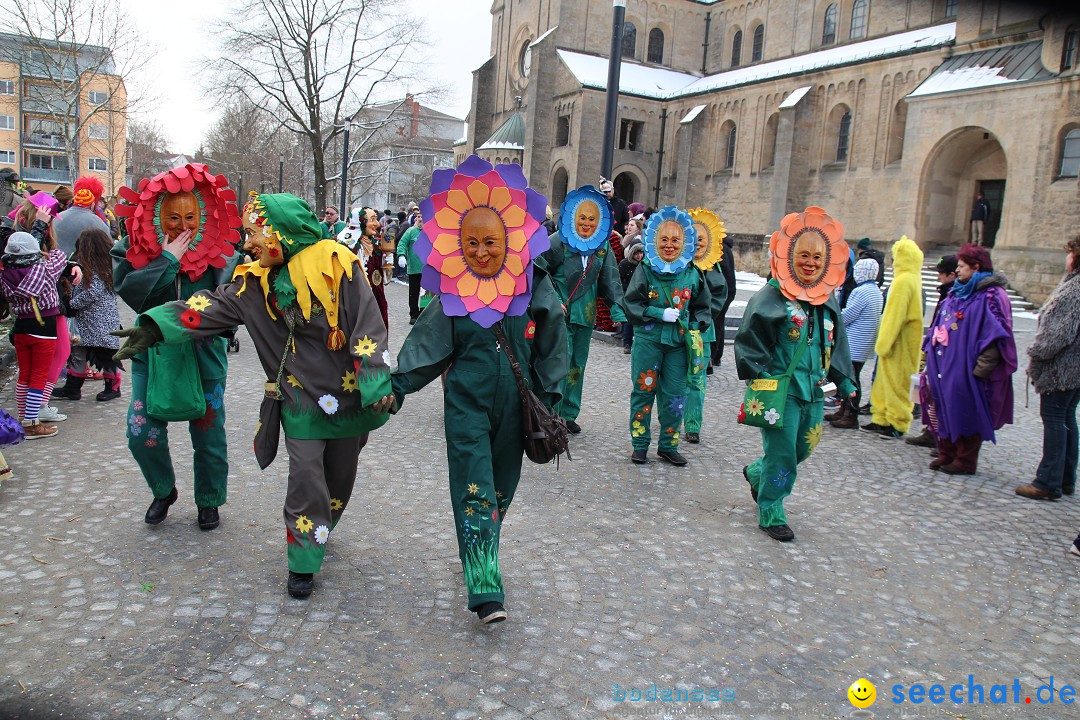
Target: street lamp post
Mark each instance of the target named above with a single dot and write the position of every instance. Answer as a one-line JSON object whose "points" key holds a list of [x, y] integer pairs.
{"points": [[280, 171], [614, 66], [344, 168]]}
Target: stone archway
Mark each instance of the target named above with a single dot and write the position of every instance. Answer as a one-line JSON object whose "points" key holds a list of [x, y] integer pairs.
{"points": [[559, 182], [630, 184], [954, 172]]}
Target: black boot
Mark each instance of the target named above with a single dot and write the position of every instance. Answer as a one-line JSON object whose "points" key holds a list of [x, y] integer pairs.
{"points": [[160, 508], [72, 389], [300, 585], [111, 391]]}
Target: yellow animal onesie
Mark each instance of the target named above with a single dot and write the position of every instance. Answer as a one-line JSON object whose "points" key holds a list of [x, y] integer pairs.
{"points": [[899, 340]]}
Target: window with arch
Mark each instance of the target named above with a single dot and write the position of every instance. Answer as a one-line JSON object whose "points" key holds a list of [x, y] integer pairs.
{"points": [[828, 29], [1068, 48], [629, 40], [558, 186], [858, 19], [843, 136], [736, 48], [768, 145], [758, 48], [730, 135], [1070, 154], [950, 8], [656, 46], [897, 129]]}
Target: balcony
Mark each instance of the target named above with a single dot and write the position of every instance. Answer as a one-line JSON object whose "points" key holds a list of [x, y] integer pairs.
{"points": [[49, 108], [41, 140], [31, 175]]}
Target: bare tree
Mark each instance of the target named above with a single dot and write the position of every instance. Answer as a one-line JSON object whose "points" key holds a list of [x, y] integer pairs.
{"points": [[147, 150], [312, 64], [80, 52]]}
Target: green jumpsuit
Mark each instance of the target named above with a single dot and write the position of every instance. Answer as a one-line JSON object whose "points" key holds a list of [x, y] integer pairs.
{"points": [[700, 355], [579, 280], [771, 329], [482, 415], [659, 357], [159, 282]]}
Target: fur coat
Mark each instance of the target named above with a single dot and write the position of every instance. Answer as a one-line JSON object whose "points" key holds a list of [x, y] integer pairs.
{"points": [[1055, 351]]}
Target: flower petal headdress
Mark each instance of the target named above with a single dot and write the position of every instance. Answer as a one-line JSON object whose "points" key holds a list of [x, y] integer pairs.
{"points": [[568, 220], [707, 224], [216, 237], [454, 193], [781, 255], [649, 240]]}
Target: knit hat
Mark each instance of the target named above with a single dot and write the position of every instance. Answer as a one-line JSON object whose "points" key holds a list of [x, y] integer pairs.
{"points": [[946, 264], [865, 269], [87, 190], [289, 218], [606, 185], [22, 243], [863, 244], [975, 255]]}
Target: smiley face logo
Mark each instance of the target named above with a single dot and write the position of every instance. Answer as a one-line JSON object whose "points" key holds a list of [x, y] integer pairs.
{"points": [[862, 693]]}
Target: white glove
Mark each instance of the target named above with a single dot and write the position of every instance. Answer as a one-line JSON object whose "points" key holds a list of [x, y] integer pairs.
{"points": [[671, 315], [401, 262]]}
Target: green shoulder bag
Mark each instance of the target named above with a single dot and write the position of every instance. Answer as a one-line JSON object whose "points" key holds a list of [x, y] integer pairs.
{"points": [[765, 399], [174, 390]]}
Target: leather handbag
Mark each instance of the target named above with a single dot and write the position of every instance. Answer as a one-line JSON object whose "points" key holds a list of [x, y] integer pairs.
{"points": [[268, 431], [174, 391], [546, 437], [765, 399]]}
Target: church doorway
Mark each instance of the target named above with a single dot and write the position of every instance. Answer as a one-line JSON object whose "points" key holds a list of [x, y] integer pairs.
{"points": [[963, 163], [626, 187]]}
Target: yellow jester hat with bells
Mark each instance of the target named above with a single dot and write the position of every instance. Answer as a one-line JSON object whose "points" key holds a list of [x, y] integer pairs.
{"points": [[313, 265]]}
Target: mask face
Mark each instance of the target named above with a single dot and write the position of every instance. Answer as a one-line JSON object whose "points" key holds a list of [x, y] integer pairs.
{"points": [[371, 223], [587, 219], [703, 241], [670, 240], [808, 257], [180, 212], [483, 241], [260, 247]]}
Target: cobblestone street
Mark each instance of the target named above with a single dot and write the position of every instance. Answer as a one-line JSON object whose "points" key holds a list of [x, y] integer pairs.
{"points": [[619, 577]]}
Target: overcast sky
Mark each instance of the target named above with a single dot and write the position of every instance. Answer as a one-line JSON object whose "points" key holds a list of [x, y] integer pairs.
{"points": [[458, 40]]}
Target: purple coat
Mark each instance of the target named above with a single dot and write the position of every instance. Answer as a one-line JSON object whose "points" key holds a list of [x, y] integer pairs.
{"points": [[961, 330]]}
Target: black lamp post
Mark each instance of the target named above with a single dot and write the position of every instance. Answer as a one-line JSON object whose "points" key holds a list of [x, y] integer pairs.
{"points": [[280, 171], [614, 66]]}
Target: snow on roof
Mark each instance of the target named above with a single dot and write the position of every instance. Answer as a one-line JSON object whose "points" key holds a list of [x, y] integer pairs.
{"points": [[793, 99], [694, 112], [664, 84], [986, 68], [540, 39]]}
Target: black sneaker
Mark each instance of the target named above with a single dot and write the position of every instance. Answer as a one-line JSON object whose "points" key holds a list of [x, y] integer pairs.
{"points": [[106, 395], [779, 532], [639, 457], [160, 508], [491, 612], [300, 585], [672, 456], [693, 438], [753, 492], [573, 427]]}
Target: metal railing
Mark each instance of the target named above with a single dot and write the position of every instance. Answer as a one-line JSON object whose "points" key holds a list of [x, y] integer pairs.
{"points": [[30, 174], [43, 140]]}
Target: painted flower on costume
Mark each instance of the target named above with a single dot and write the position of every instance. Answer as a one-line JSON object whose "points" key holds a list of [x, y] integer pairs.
{"points": [[198, 303], [329, 404], [772, 416], [585, 199], [710, 228], [213, 241], [303, 524], [689, 237], [454, 194], [365, 347], [755, 406], [647, 381], [190, 319], [336, 504], [321, 534], [813, 436], [812, 228]]}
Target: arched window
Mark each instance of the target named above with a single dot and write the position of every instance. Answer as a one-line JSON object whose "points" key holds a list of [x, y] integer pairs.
{"points": [[1068, 48], [558, 186], [729, 152], [768, 146], [736, 48], [828, 30], [759, 44], [1070, 154], [656, 46], [629, 40], [843, 137], [858, 19], [897, 129]]}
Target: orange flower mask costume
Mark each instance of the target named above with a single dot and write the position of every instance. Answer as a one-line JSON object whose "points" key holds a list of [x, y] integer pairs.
{"points": [[808, 257], [321, 341]]}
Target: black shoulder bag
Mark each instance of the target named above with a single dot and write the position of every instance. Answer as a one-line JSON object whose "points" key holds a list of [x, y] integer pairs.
{"points": [[546, 437]]}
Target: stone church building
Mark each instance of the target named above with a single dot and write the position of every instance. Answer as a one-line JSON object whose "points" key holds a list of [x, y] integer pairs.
{"points": [[891, 114]]}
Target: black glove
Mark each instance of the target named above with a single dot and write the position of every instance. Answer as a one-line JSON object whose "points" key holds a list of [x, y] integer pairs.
{"points": [[138, 340]]}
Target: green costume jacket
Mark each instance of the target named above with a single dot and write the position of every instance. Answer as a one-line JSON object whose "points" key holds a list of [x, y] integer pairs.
{"points": [[325, 393], [772, 326], [438, 342], [160, 282], [414, 264], [718, 294], [599, 278], [332, 232], [650, 292]]}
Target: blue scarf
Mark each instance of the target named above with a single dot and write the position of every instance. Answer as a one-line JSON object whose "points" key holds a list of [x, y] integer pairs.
{"points": [[963, 290]]}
